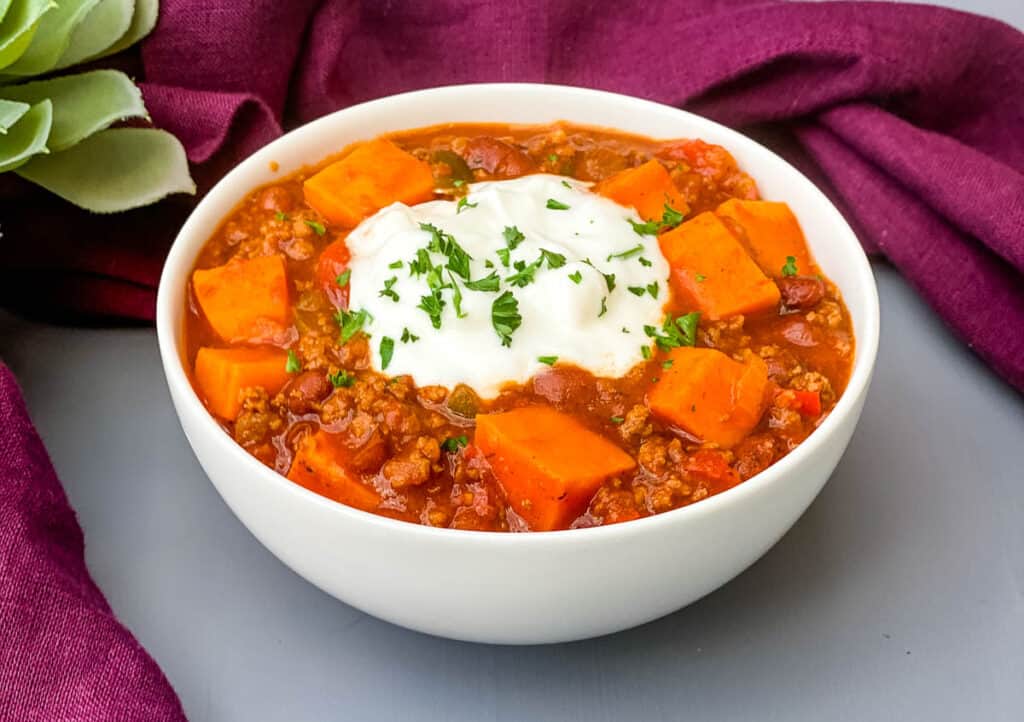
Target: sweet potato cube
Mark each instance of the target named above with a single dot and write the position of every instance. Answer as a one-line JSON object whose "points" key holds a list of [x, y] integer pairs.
{"points": [[770, 232], [244, 300], [548, 464], [374, 175], [222, 373], [710, 395], [323, 464], [712, 269], [647, 188]]}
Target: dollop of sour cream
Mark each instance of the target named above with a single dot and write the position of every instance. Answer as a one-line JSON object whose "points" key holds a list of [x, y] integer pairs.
{"points": [[566, 279]]}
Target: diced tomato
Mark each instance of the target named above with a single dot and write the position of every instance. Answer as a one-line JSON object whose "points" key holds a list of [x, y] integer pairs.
{"points": [[712, 466], [333, 262], [808, 403]]}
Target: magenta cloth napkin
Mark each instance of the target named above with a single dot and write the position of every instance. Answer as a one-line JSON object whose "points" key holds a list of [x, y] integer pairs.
{"points": [[63, 654]]}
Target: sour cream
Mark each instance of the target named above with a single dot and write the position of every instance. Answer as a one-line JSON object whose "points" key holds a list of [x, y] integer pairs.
{"points": [[595, 283]]}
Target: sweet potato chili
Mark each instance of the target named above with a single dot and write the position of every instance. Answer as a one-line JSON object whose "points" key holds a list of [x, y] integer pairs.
{"points": [[751, 353]]}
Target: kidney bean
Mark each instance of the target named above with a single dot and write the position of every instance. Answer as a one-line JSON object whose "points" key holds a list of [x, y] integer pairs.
{"points": [[303, 392], [800, 292], [496, 157]]}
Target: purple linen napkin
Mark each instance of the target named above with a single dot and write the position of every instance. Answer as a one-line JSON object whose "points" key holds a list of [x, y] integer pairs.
{"points": [[63, 654]]}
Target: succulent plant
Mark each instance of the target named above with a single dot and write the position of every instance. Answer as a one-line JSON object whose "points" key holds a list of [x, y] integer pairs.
{"points": [[56, 132]]}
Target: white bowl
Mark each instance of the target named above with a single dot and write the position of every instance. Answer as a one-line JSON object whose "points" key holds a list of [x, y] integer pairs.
{"points": [[545, 586]]}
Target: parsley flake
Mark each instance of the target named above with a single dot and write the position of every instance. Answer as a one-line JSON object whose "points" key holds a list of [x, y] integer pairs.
{"points": [[342, 279], [670, 218], [700, 278], [645, 351], [604, 306], [463, 204], [634, 251], [652, 288], [408, 337], [388, 291], [446, 245], [549, 360], [458, 182], [555, 260], [281, 216], [576, 277], [556, 205], [487, 283], [503, 256], [553, 158], [387, 350], [505, 317], [790, 268], [342, 379], [513, 237], [351, 322], [617, 420], [644, 262], [318, 228], [395, 264], [676, 332], [433, 305], [454, 443], [292, 365], [456, 297], [524, 273], [666, 364], [566, 184]]}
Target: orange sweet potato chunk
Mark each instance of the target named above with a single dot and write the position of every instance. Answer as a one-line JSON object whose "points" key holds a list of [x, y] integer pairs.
{"points": [[376, 174], [647, 188], [770, 232], [244, 300], [322, 464], [222, 373], [710, 395], [548, 464], [711, 268]]}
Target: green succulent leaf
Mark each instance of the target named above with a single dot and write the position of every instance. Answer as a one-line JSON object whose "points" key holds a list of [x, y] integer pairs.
{"points": [[143, 21], [18, 27], [10, 111], [105, 24], [27, 137], [82, 104], [114, 170], [52, 38]]}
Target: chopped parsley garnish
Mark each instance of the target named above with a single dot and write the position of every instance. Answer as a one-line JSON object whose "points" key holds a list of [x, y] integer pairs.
{"points": [[652, 288], [342, 279], [566, 184], [395, 264], [408, 337], [421, 264], [556, 205], [317, 227], [388, 291], [790, 268], [463, 204], [553, 158], [351, 322], [617, 420], [458, 182], [446, 245], [454, 443], [387, 350], [666, 364], [456, 297], [604, 306], [487, 283], [609, 278], [634, 251], [513, 237], [505, 317], [675, 332], [292, 365], [524, 273], [645, 351], [433, 305], [576, 277], [503, 256], [555, 260], [281, 216], [488, 263], [342, 379], [645, 262], [670, 218], [549, 360], [625, 330], [700, 278], [637, 290]]}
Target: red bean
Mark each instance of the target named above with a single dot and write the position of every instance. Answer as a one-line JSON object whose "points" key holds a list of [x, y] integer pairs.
{"points": [[303, 392], [496, 157], [800, 292]]}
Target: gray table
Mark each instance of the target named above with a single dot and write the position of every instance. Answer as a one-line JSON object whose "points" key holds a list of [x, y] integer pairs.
{"points": [[899, 595]]}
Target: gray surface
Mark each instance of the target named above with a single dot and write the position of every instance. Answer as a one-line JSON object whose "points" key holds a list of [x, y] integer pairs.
{"points": [[899, 595]]}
